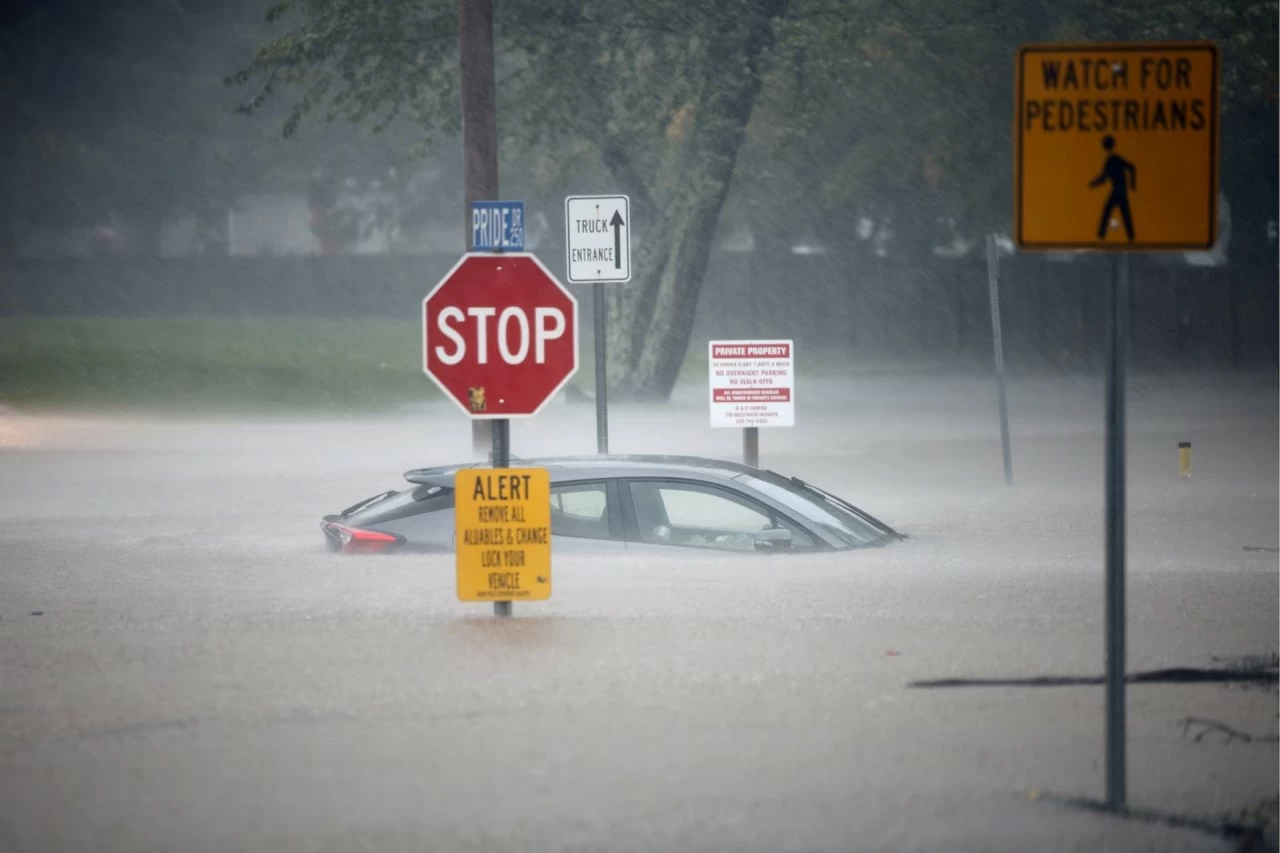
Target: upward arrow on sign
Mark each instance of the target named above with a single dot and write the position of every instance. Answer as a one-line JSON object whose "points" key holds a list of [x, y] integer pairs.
{"points": [[617, 224]]}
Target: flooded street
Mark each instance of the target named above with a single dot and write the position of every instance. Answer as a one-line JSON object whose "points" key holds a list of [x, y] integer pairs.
{"points": [[202, 675]]}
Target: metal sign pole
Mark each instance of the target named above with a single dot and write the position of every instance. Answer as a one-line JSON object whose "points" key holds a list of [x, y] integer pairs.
{"points": [[1117, 351], [502, 459], [751, 446], [602, 387], [997, 340]]}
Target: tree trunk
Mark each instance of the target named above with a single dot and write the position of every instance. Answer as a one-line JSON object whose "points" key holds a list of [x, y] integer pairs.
{"points": [[651, 319]]}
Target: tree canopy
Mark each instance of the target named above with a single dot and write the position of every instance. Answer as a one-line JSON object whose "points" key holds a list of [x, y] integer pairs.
{"points": [[894, 111], [796, 117]]}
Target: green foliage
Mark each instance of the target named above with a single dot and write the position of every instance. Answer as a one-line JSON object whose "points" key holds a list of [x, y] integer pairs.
{"points": [[601, 77], [894, 110], [902, 111], [211, 362]]}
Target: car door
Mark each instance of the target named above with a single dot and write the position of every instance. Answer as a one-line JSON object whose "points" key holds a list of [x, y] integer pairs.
{"points": [[585, 517], [668, 514]]}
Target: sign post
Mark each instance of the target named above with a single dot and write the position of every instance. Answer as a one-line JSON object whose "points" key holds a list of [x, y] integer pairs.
{"points": [[498, 226], [1090, 119], [997, 343], [500, 338], [752, 385], [1117, 352], [598, 250]]}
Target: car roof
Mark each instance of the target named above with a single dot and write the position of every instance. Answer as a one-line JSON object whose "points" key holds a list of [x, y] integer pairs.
{"points": [[584, 467]]}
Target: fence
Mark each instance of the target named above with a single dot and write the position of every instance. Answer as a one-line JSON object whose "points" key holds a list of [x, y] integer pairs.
{"points": [[839, 307]]}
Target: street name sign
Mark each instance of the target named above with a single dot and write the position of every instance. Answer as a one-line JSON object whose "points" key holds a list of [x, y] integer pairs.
{"points": [[499, 335], [752, 383], [497, 226], [597, 238], [1116, 146], [503, 534]]}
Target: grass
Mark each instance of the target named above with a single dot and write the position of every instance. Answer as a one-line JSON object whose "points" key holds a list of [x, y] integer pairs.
{"points": [[282, 363], [211, 362]]}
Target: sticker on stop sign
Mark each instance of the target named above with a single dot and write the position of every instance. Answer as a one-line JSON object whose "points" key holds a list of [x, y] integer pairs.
{"points": [[500, 335]]}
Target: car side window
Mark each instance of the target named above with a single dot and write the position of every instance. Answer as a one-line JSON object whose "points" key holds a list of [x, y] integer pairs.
{"points": [[580, 510], [697, 516]]}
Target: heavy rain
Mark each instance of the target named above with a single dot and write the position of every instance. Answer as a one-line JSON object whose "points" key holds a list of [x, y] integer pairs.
{"points": [[911, 460]]}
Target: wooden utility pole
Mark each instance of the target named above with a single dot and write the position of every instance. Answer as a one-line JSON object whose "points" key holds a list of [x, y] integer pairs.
{"points": [[479, 135]]}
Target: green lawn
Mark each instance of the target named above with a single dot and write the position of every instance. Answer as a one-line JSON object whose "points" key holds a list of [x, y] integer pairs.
{"points": [[286, 363], [216, 362]]}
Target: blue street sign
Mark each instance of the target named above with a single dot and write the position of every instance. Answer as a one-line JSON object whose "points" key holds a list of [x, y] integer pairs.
{"points": [[497, 226]]}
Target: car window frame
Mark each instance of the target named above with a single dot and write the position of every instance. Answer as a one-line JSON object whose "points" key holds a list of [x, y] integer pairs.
{"points": [[631, 524], [612, 508]]}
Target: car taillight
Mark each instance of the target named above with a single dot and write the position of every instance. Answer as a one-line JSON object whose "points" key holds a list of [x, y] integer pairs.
{"points": [[355, 540]]}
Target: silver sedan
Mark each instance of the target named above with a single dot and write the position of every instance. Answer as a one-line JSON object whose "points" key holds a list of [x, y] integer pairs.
{"points": [[642, 504]]}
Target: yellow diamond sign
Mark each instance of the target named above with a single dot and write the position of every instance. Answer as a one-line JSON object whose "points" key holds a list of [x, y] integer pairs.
{"points": [[503, 534], [1116, 146]]}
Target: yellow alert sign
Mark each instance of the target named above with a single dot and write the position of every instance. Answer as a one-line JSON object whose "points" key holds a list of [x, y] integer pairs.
{"points": [[503, 518], [1116, 146]]}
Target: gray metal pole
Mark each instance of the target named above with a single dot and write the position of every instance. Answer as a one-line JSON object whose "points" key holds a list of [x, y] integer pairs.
{"points": [[479, 133], [751, 446], [502, 459], [1117, 352], [602, 386], [997, 341]]}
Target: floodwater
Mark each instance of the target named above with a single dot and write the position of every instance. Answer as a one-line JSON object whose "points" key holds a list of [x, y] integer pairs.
{"points": [[203, 676]]}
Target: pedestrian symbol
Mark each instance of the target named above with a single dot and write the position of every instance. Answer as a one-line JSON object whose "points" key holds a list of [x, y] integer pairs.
{"points": [[1088, 118], [1124, 179]]}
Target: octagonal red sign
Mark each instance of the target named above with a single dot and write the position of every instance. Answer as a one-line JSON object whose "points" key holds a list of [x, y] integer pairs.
{"points": [[500, 335]]}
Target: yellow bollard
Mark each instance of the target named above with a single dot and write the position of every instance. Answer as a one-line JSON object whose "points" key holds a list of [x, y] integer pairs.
{"points": [[1184, 460]]}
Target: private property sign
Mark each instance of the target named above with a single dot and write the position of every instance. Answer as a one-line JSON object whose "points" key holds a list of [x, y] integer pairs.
{"points": [[752, 383], [1116, 146]]}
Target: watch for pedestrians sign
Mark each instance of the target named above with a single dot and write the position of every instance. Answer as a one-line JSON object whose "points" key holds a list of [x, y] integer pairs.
{"points": [[598, 238], [1116, 146]]}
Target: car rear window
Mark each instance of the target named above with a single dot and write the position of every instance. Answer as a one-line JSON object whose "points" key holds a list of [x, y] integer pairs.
{"points": [[419, 499]]}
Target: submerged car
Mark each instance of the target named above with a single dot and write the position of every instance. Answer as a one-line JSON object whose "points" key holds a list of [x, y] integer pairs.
{"points": [[632, 504]]}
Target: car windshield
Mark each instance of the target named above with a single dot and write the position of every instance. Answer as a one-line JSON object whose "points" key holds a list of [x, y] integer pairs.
{"points": [[813, 506]]}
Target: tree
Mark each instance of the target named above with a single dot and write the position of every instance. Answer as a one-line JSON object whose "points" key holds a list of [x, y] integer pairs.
{"points": [[660, 92], [121, 109], [902, 111], [893, 110]]}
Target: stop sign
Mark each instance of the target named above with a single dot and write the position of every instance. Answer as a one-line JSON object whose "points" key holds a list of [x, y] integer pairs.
{"points": [[500, 335]]}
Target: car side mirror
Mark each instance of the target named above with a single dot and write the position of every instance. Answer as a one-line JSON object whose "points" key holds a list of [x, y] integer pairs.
{"points": [[773, 539]]}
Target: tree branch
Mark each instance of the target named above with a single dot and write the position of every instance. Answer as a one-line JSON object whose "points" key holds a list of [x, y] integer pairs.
{"points": [[260, 96], [624, 171]]}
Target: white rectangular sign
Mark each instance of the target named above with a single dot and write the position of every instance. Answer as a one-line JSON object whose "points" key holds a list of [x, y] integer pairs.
{"points": [[752, 383], [597, 238]]}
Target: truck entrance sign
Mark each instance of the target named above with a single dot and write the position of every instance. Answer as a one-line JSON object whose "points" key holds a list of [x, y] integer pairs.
{"points": [[500, 335], [503, 534], [598, 238], [752, 383], [1116, 146]]}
